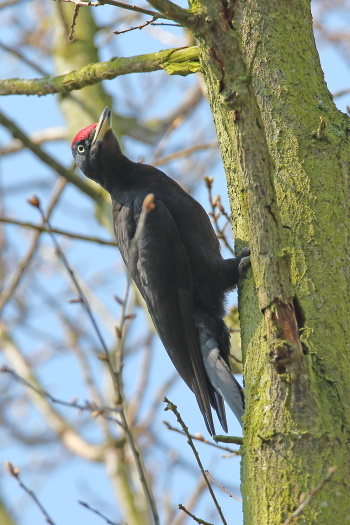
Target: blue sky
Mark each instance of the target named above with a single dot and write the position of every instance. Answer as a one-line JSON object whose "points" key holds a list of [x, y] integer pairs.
{"points": [[75, 479]]}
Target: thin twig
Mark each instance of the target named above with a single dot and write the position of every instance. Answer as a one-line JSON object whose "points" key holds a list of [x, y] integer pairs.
{"points": [[115, 374], [190, 503], [135, 403], [147, 207], [228, 439], [217, 210], [173, 408], [159, 398], [303, 504], [141, 26], [341, 93], [114, 3], [197, 520], [87, 506], [74, 21], [160, 161], [68, 435], [37, 137], [23, 265], [173, 11], [87, 406], [34, 201], [71, 177], [73, 337], [165, 24], [221, 487], [24, 59], [199, 437], [58, 231], [15, 474]]}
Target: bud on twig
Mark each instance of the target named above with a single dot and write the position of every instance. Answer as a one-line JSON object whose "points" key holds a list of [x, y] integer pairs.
{"points": [[14, 471], [34, 201], [129, 317], [75, 300], [209, 181], [148, 203], [117, 299]]}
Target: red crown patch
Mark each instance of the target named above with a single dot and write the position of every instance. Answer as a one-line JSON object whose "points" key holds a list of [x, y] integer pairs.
{"points": [[83, 133]]}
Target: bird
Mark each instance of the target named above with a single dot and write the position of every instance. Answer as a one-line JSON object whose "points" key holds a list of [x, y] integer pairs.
{"points": [[176, 264]]}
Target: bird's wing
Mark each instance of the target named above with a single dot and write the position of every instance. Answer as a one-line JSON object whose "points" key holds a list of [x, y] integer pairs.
{"points": [[163, 275]]}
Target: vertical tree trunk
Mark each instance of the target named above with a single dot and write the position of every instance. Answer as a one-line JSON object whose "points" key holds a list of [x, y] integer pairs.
{"points": [[285, 148]]}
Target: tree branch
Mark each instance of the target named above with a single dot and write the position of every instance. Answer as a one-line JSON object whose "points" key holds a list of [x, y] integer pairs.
{"points": [[116, 374], [183, 16], [23, 265], [42, 229], [173, 408], [38, 137], [87, 188], [197, 520], [15, 473], [221, 487], [199, 437], [95, 511], [114, 3], [70, 438], [178, 61]]}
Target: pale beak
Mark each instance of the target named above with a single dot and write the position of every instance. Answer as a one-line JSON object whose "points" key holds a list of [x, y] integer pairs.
{"points": [[103, 125]]}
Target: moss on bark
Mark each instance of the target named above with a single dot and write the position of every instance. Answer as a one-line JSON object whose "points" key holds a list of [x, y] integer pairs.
{"points": [[288, 178]]}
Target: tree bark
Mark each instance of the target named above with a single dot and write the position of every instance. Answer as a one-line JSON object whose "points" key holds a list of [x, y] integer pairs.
{"points": [[285, 149]]}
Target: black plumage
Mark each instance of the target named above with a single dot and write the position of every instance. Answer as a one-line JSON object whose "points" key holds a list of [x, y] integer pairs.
{"points": [[177, 266]]}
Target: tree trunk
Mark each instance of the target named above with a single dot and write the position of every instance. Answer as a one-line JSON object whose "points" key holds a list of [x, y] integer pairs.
{"points": [[285, 149]]}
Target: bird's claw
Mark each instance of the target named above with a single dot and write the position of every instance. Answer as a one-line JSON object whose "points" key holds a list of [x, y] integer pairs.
{"points": [[245, 260]]}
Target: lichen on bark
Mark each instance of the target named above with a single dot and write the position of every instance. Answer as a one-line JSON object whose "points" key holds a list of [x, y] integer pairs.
{"points": [[267, 94]]}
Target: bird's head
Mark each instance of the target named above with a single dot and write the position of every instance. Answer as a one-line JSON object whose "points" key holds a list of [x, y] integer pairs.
{"points": [[95, 149]]}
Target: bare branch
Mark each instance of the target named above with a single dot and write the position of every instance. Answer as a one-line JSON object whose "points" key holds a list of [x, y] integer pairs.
{"points": [[147, 207], [221, 487], [24, 59], [90, 407], [173, 408], [87, 506], [58, 231], [134, 404], [70, 438], [184, 153], [85, 187], [174, 12], [199, 437], [197, 520], [191, 502], [228, 439], [37, 137], [341, 93], [140, 26], [24, 264], [217, 210], [178, 61], [71, 274], [74, 21], [15, 474], [115, 374], [114, 3]]}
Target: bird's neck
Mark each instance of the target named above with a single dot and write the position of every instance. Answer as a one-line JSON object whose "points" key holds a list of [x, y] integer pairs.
{"points": [[117, 174]]}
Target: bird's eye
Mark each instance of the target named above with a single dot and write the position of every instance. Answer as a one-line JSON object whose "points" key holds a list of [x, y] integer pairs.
{"points": [[81, 148]]}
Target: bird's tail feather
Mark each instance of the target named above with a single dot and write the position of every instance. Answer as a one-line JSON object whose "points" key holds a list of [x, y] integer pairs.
{"points": [[220, 377]]}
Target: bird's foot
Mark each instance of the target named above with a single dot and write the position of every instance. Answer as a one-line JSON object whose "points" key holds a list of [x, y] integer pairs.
{"points": [[244, 257]]}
